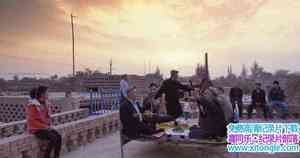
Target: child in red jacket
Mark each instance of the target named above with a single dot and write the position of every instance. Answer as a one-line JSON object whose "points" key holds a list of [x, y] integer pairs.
{"points": [[39, 121]]}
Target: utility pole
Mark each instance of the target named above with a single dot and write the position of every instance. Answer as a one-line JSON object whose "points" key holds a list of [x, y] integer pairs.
{"points": [[144, 67], [73, 43], [110, 67]]}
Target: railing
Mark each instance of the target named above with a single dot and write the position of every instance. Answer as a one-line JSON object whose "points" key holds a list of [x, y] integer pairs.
{"points": [[104, 101]]}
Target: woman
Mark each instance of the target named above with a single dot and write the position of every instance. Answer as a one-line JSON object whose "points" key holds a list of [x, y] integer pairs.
{"points": [[39, 121]]}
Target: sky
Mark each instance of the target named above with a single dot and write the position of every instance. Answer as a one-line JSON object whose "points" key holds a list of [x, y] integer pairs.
{"points": [[139, 35]]}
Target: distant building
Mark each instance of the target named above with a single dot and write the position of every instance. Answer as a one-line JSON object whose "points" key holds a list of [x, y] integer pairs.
{"points": [[24, 85], [153, 78], [106, 82], [99, 82]]}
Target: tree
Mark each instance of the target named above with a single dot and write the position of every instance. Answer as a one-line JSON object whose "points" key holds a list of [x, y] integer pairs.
{"points": [[293, 89], [54, 77], [244, 73], [16, 78], [157, 71], [256, 71], [200, 71], [281, 73], [97, 72], [88, 71]]}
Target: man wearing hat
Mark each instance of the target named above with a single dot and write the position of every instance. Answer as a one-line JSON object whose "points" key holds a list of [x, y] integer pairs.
{"points": [[171, 88]]}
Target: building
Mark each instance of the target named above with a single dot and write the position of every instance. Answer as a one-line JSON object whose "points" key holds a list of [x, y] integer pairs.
{"points": [[111, 83], [98, 82]]}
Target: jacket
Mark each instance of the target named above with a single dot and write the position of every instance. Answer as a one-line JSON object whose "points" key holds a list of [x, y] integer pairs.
{"points": [[276, 94], [236, 94], [212, 117], [132, 126], [172, 88], [37, 116], [258, 96]]}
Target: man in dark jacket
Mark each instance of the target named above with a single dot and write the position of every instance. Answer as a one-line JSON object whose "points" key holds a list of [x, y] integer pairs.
{"points": [[258, 101], [171, 87], [132, 118], [149, 103], [277, 98], [212, 117], [236, 96]]}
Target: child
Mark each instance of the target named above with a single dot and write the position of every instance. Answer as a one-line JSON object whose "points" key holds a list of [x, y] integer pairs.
{"points": [[39, 121]]}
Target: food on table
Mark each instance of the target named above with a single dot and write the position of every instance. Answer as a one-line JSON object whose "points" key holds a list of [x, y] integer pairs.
{"points": [[178, 130]]}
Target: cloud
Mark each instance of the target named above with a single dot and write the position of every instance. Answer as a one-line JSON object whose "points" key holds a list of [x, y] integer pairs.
{"points": [[212, 19], [81, 7], [149, 29], [30, 20]]}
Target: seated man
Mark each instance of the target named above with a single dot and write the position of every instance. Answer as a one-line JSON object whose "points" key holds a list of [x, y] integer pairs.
{"points": [[213, 115], [258, 101], [132, 119], [151, 108], [236, 96], [149, 103], [277, 99]]}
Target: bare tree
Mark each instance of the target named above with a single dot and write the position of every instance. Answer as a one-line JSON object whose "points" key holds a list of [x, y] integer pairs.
{"points": [[256, 71], [244, 73]]}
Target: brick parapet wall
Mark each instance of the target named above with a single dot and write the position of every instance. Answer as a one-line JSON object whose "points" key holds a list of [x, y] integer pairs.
{"points": [[74, 134], [12, 108], [19, 127]]}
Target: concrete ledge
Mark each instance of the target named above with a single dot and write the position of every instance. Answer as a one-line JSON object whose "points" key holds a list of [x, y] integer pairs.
{"points": [[74, 134]]}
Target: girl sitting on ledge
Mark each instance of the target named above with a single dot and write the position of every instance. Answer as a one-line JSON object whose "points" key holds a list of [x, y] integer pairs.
{"points": [[39, 121]]}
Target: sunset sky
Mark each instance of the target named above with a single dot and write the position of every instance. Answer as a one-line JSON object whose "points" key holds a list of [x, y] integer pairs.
{"points": [[35, 35]]}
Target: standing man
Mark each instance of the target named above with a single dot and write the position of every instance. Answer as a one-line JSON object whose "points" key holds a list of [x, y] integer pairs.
{"points": [[236, 96], [258, 101], [171, 87], [277, 98], [124, 86]]}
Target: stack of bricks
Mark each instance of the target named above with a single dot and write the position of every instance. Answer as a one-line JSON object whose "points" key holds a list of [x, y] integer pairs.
{"points": [[19, 127], [74, 134]]}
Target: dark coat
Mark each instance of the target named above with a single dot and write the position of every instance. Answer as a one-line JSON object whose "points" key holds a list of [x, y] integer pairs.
{"points": [[149, 104], [132, 127], [236, 93], [276, 94], [172, 88], [258, 96], [212, 119]]}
